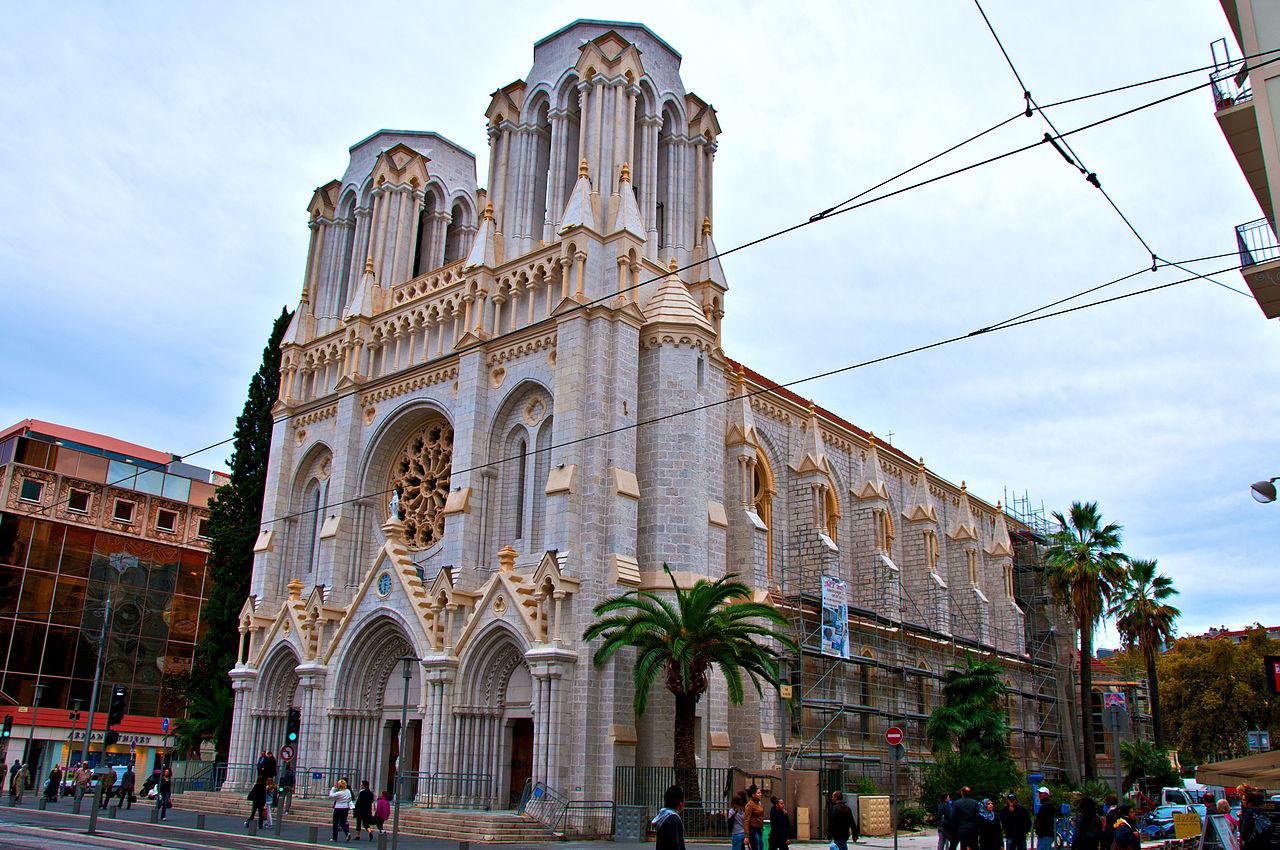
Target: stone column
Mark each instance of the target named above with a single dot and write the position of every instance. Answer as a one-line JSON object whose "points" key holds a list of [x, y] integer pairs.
{"points": [[243, 683]]}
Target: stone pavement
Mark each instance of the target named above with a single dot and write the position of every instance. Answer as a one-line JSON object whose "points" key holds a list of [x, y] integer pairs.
{"points": [[26, 827]]}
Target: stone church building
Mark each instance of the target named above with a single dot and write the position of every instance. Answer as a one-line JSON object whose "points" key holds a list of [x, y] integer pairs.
{"points": [[502, 404]]}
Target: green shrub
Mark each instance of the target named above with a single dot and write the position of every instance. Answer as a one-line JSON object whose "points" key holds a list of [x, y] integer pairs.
{"points": [[988, 777], [911, 818], [863, 785]]}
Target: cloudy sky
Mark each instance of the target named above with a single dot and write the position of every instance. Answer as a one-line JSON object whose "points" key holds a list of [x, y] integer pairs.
{"points": [[159, 159]]}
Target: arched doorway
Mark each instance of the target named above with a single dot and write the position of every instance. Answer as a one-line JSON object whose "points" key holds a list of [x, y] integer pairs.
{"points": [[493, 719], [277, 687], [364, 723]]}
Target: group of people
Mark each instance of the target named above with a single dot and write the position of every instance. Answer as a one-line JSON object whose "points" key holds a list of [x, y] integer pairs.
{"points": [[370, 813], [964, 823], [19, 779], [78, 782], [277, 780], [747, 816]]}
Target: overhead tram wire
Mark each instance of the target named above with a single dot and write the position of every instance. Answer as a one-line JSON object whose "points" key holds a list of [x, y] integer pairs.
{"points": [[1206, 277], [1074, 159], [821, 216], [777, 386]]}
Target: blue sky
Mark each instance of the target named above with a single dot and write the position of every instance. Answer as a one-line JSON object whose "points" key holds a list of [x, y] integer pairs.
{"points": [[159, 159]]}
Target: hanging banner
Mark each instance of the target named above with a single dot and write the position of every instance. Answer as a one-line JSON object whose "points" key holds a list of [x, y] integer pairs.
{"points": [[835, 617]]}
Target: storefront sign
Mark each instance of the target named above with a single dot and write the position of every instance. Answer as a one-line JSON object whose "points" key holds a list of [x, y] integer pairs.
{"points": [[96, 738]]}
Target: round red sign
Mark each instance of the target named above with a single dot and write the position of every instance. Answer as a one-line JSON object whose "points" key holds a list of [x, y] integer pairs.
{"points": [[893, 736]]}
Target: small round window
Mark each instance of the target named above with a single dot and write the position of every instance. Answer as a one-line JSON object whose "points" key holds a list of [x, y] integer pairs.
{"points": [[384, 585]]}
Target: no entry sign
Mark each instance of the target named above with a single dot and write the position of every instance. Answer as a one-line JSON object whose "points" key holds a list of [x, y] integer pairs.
{"points": [[893, 736], [286, 752]]}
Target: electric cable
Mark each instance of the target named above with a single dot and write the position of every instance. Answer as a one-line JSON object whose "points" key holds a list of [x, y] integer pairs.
{"points": [[771, 388]]}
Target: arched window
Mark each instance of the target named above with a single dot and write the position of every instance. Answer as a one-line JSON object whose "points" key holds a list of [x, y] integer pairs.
{"points": [[762, 491], [522, 458], [348, 250], [313, 504], [931, 550], [971, 556], [572, 133], [664, 180], [454, 236], [422, 260], [538, 212], [831, 506]]}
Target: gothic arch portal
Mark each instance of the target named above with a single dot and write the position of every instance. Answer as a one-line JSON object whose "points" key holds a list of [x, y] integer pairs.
{"points": [[275, 693], [493, 715]]}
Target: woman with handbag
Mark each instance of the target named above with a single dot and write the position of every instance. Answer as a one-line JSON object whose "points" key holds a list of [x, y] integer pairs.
{"points": [[341, 796]]}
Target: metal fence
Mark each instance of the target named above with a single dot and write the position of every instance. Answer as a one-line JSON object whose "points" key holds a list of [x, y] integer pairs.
{"points": [[1257, 243], [585, 820], [206, 777], [644, 786], [454, 790], [542, 803]]}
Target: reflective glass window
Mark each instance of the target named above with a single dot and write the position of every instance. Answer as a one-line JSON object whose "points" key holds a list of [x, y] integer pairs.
{"points": [[93, 468], [78, 501], [10, 587], [15, 535], [37, 595], [60, 651], [176, 487], [33, 452], [6, 450], [65, 461], [184, 616], [68, 609], [77, 552], [28, 641], [191, 574], [150, 481], [121, 474], [46, 546], [31, 490]]}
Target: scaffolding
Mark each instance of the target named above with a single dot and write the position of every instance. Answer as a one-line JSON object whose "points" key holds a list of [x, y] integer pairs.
{"points": [[898, 655]]}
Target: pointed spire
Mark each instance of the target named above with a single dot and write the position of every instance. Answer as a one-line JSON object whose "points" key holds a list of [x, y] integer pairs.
{"points": [[362, 304], [484, 250], [672, 303], [1000, 545], [871, 483], [813, 452], [626, 214], [742, 422], [704, 254], [963, 526], [579, 211], [921, 507]]}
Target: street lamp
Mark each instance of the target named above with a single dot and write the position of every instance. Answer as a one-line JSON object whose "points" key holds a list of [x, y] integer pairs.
{"points": [[1264, 491], [35, 711], [406, 670]]}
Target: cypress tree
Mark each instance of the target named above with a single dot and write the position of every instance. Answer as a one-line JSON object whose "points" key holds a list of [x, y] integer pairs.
{"points": [[235, 514]]}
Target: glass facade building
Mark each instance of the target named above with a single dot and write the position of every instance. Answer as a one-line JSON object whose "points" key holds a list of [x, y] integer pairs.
{"points": [[84, 516]]}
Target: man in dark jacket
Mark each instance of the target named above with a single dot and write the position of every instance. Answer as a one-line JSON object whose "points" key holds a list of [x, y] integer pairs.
{"points": [[1045, 816], [127, 783], [667, 826], [964, 819], [1255, 827], [943, 816], [269, 766], [840, 824], [1015, 822]]}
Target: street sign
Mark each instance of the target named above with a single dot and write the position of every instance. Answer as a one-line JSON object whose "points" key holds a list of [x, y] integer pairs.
{"points": [[893, 736], [1115, 698], [785, 691], [165, 725], [286, 753]]}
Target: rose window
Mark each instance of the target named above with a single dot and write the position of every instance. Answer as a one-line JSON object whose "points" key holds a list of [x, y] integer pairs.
{"points": [[420, 473]]}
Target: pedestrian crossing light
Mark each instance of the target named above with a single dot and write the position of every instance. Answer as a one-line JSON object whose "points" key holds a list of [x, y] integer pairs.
{"points": [[118, 698], [7, 730], [293, 725]]}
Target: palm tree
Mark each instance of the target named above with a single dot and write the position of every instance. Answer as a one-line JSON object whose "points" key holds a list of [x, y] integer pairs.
{"points": [[1144, 618], [712, 624], [1085, 565], [208, 719], [971, 719]]}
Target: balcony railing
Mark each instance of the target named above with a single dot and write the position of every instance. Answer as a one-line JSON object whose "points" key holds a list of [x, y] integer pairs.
{"points": [[1230, 79], [1257, 243]]}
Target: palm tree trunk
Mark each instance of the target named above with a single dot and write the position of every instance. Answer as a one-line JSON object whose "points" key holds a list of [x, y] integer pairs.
{"points": [[1086, 699], [1153, 693], [685, 747]]}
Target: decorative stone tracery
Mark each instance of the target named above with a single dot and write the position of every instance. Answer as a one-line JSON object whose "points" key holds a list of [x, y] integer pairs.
{"points": [[420, 473]]}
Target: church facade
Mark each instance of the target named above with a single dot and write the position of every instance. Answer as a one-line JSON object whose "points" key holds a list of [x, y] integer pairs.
{"points": [[501, 405]]}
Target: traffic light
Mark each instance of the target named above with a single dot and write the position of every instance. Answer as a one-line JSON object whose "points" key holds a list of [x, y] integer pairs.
{"points": [[293, 725], [111, 737], [7, 730], [118, 698]]}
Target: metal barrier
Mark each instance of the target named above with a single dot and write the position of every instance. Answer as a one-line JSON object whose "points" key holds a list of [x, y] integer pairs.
{"points": [[542, 803], [1257, 243], [234, 775], [644, 786], [586, 820], [318, 780], [456, 790]]}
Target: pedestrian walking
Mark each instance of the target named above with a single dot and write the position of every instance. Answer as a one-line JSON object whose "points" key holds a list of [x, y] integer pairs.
{"points": [[127, 783], [1224, 808], [271, 801], [1126, 834], [737, 821], [382, 810], [341, 797], [667, 825], [990, 836], [257, 798], [108, 783], [779, 825], [1015, 823], [54, 785], [1088, 830], [840, 825], [269, 766], [1044, 820], [84, 779], [287, 782], [964, 818], [364, 810], [17, 782], [164, 791], [942, 815], [753, 818]]}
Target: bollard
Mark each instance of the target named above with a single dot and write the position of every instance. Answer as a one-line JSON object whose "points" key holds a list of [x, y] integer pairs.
{"points": [[253, 826], [313, 835], [200, 820], [43, 804], [93, 809], [155, 814], [464, 845], [382, 840], [279, 820], [113, 812]]}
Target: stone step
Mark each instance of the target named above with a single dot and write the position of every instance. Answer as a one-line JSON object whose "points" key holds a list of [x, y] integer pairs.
{"points": [[453, 824]]}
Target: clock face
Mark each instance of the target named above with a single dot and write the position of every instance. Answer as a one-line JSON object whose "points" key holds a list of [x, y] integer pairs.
{"points": [[384, 584]]}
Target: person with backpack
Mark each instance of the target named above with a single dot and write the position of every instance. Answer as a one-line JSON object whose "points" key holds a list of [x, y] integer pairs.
{"points": [[1255, 825]]}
